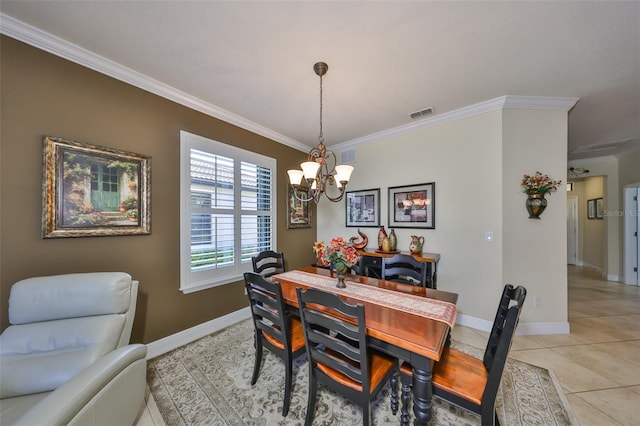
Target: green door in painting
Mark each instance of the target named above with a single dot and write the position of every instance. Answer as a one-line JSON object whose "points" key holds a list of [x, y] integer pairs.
{"points": [[105, 194]]}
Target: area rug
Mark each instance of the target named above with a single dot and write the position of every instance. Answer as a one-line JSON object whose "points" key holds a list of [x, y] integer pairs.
{"points": [[207, 382]]}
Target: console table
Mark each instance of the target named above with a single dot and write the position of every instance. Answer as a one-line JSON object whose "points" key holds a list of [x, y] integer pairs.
{"points": [[371, 264]]}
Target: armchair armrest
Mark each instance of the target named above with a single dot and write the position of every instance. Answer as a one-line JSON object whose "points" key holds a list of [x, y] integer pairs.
{"points": [[110, 391]]}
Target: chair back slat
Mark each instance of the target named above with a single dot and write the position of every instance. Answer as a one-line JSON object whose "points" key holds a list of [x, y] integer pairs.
{"points": [[335, 333], [405, 269], [268, 263], [267, 308]]}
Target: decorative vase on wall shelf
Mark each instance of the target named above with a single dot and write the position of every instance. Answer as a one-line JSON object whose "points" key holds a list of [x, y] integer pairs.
{"points": [[536, 203]]}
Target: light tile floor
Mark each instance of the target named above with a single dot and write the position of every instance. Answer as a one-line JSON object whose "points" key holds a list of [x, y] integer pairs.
{"points": [[597, 364]]}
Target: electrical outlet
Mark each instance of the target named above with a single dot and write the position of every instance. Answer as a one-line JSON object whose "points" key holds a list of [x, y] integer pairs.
{"points": [[537, 301]]}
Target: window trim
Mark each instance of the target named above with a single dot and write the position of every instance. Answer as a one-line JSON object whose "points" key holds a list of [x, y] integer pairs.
{"points": [[195, 281]]}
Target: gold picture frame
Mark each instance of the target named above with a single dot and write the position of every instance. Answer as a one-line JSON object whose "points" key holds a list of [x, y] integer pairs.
{"points": [[94, 191], [298, 210]]}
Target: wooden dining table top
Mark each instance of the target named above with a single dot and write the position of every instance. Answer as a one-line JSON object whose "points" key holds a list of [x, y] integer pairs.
{"points": [[408, 331]]}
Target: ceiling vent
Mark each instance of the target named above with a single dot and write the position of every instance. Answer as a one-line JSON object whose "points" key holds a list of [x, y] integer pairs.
{"points": [[418, 114]]}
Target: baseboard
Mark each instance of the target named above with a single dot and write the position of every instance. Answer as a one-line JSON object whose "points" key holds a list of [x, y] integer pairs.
{"points": [[183, 337], [524, 329], [614, 278]]}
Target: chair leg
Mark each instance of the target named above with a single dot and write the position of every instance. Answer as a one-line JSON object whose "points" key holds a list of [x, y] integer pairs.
{"points": [[394, 393], [366, 413], [256, 367], [287, 386], [311, 403], [406, 398]]}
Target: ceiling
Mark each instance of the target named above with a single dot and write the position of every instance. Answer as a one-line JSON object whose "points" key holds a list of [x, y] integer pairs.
{"points": [[252, 62]]}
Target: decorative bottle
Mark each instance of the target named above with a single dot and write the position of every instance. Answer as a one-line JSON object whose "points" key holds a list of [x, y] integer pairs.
{"points": [[393, 240], [381, 236]]}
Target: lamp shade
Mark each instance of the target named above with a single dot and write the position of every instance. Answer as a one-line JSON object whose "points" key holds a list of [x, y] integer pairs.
{"points": [[343, 173], [295, 176], [310, 169]]}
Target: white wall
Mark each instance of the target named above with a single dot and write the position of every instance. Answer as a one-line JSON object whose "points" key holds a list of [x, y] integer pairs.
{"points": [[477, 171]]}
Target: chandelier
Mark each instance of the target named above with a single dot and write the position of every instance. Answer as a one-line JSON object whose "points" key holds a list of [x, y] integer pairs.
{"points": [[321, 173]]}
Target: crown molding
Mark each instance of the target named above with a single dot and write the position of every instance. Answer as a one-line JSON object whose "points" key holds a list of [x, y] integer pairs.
{"points": [[503, 102], [28, 34]]}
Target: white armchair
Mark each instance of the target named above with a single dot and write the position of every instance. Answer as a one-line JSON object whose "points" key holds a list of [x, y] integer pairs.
{"points": [[65, 358]]}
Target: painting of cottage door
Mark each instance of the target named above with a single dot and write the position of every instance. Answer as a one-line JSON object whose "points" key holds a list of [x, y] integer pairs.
{"points": [[105, 187]]}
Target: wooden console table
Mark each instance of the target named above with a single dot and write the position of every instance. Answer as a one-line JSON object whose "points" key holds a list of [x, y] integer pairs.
{"points": [[371, 264]]}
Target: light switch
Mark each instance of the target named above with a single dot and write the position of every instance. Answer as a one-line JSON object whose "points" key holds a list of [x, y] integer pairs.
{"points": [[488, 236]]}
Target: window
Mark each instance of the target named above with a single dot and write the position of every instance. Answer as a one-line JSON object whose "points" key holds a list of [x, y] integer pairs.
{"points": [[226, 215]]}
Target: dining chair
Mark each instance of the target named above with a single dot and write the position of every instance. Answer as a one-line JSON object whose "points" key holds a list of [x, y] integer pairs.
{"points": [[275, 330], [268, 263], [338, 354], [469, 382], [404, 268]]}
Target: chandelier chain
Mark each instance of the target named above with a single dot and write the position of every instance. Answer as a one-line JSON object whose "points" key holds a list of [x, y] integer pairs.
{"points": [[321, 136]]}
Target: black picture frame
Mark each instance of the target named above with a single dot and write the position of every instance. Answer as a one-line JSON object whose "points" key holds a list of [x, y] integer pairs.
{"points": [[94, 191], [412, 206], [362, 208], [591, 208], [599, 208]]}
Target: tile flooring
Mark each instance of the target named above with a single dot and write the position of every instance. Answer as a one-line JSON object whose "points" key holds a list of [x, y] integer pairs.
{"points": [[597, 364]]}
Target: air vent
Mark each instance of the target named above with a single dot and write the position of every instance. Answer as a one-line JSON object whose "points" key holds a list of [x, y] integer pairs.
{"points": [[418, 114]]}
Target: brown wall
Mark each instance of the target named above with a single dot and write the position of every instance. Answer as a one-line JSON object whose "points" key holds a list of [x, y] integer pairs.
{"points": [[42, 94]]}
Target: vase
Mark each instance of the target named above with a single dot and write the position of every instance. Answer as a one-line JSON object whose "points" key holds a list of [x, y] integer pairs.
{"points": [[536, 203], [341, 273], [381, 236], [393, 240]]}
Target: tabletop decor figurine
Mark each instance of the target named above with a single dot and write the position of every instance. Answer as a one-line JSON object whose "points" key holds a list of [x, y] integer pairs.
{"points": [[415, 246], [361, 244], [536, 187], [339, 255]]}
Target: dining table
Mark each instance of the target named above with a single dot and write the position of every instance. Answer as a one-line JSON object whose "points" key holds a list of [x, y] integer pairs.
{"points": [[411, 323]]}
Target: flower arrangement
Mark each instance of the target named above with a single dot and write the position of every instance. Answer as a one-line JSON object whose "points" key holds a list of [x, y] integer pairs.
{"points": [[339, 253], [539, 183]]}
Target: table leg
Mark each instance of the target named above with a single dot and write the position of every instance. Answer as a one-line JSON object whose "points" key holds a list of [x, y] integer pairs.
{"points": [[422, 394]]}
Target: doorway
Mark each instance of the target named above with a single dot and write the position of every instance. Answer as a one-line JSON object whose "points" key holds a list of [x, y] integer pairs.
{"points": [[572, 230], [631, 229]]}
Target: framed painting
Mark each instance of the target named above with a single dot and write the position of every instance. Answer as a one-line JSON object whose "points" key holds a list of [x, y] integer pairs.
{"points": [[591, 209], [362, 208], [412, 206], [93, 191], [599, 208], [298, 209]]}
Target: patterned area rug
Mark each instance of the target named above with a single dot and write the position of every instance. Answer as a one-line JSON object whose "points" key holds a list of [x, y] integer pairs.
{"points": [[207, 383]]}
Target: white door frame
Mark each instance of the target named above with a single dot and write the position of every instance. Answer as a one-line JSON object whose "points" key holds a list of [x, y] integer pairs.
{"points": [[631, 231], [573, 255]]}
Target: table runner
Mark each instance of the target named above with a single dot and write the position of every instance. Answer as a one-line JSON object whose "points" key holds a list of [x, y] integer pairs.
{"points": [[418, 305]]}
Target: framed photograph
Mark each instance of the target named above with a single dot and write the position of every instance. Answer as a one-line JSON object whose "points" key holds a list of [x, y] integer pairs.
{"points": [[591, 209], [93, 191], [599, 208], [362, 208], [298, 210], [412, 206]]}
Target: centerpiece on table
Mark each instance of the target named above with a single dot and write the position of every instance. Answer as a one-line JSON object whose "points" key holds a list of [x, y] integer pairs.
{"points": [[536, 187], [339, 255]]}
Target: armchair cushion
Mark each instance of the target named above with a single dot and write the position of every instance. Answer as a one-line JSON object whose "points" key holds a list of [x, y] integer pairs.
{"points": [[40, 357], [68, 296]]}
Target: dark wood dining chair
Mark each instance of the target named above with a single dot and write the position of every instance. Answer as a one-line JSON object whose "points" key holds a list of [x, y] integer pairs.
{"points": [[268, 263], [469, 382], [405, 269], [337, 351], [275, 330]]}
